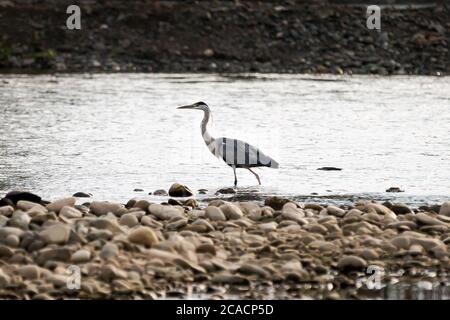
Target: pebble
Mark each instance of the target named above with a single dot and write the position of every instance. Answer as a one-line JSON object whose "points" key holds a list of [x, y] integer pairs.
{"points": [[129, 220], [4, 279], [214, 214], [81, 256], [30, 272], [165, 212], [335, 211], [206, 248], [142, 204], [177, 224], [70, 213], [143, 235], [57, 233], [275, 202], [12, 240], [400, 208], [231, 211], [5, 252], [6, 211], [57, 205], [26, 205], [109, 251], [351, 262], [101, 208], [268, 226], [109, 272], [445, 209], [179, 190], [253, 269], [428, 220]]}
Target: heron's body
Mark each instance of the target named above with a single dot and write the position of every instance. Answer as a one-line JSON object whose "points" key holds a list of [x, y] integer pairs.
{"points": [[235, 153]]}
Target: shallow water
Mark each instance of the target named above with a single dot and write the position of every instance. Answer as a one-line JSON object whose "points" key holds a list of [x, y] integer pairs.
{"points": [[108, 134]]}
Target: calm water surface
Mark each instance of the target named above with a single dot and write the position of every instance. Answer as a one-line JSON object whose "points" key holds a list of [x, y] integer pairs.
{"points": [[108, 134]]}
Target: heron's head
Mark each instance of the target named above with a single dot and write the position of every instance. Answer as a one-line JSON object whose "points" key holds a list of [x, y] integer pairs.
{"points": [[196, 106]]}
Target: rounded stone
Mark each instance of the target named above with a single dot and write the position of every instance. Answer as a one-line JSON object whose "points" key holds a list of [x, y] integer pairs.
{"points": [[445, 209], [351, 263], [57, 233], [6, 211], [30, 272], [335, 211], [100, 208], [129, 220], [179, 190], [214, 214], [81, 256], [70, 212], [12, 240], [231, 211], [57, 205], [143, 235], [109, 251]]}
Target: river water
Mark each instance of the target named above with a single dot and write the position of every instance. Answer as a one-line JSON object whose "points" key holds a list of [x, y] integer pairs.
{"points": [[109, 134]]}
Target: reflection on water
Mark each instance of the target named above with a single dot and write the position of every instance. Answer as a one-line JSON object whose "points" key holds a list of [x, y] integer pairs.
{"points": [[111, 133]]}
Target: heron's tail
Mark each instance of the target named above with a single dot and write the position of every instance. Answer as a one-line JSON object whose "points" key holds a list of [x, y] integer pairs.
{"points": [[273, 164]]}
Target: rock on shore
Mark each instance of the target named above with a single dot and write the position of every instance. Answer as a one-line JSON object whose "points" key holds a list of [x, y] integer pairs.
{"points": [[224, 37], [145, 250]]}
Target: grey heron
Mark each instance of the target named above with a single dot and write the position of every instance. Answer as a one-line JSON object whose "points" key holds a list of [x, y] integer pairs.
{"points": [[235, 153]]}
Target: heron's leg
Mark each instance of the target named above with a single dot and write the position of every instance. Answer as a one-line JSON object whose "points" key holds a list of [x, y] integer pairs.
{"points": [[257, 177], [235, 178]]}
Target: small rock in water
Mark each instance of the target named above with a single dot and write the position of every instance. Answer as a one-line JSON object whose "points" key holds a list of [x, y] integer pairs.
{"points": [[143, 235], [329, 169], [160, 192], [226, 191], [394, 189], [202, 191], [82, 195], [138, 190], [179, 190]]}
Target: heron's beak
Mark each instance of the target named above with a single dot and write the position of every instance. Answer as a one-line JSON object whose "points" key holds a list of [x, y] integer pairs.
{"points": [[191, 106]]}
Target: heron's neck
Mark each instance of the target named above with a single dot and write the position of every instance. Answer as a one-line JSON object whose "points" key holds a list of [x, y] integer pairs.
{"points": [[204, 127]]}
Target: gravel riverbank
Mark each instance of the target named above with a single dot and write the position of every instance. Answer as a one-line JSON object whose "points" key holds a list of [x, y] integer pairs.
{"points": [[222, 36], [280, 249]]}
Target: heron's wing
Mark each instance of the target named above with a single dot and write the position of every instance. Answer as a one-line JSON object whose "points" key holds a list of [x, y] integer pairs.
{"points": [[242, 155]]}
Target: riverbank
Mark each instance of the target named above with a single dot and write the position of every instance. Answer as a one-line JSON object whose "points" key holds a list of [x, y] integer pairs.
{"points": [[224, 37], [279, 249]]}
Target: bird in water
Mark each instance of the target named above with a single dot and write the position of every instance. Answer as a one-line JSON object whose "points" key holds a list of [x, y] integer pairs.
{"points": [[235, 153]]}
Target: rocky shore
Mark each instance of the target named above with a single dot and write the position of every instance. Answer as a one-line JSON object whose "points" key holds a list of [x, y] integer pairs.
{"points": [[222, 36], [176, 249]]}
